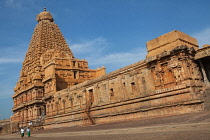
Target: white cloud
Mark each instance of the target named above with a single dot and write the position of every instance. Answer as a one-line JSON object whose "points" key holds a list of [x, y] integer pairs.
{"points": [[94, 46], [203, 36], [122, 57], [13, 3], [14, 54], [22, 5], [5, 60], [114, 61], [97, 52]]}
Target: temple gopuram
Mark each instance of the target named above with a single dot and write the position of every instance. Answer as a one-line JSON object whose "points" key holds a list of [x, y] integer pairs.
{"points": [[55, 89]]}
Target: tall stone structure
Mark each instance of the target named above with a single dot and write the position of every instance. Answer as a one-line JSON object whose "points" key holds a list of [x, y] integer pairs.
{"points": [[49, 66], [55, 89]]}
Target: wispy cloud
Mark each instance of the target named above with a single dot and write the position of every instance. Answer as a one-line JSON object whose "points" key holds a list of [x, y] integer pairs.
{"points": [[94, 46], [203, 36], [5, 60], [13, 54], [122, 58], [13, 3], [22, 5], [97, 53]]}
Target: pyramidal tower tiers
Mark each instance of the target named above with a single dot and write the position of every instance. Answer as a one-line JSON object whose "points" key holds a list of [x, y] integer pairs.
{"points": [[49, 66]]}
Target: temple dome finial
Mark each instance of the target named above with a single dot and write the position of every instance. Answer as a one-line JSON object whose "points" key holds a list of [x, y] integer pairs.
{"points": [[44, 16]]}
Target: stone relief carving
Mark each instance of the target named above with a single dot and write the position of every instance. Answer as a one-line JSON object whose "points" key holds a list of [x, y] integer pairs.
{"points": [[173, 70]]}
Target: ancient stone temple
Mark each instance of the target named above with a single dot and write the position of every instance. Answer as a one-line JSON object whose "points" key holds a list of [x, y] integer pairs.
{"points": [[56, 90], [49, 66]]}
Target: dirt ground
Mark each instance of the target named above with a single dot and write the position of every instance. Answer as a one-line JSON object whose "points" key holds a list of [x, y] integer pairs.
{"points": [[194, 126]]}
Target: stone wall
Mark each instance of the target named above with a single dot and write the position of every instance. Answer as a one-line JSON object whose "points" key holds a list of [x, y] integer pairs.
{"points": [[8, 127], [166, 84], [169, 41]]}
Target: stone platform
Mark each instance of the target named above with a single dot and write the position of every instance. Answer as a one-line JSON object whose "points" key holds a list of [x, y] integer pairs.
{"points": [[193, 126]]}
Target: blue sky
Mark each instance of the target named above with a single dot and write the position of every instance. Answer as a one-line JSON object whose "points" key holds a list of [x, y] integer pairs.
{"points": [[112, 33]]}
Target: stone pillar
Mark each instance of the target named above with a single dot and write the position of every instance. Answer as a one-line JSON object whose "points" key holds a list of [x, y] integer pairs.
{"points": [[204, 73]]}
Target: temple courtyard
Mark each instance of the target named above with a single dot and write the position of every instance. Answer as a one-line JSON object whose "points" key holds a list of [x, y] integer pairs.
{"points": [[192, 126]]}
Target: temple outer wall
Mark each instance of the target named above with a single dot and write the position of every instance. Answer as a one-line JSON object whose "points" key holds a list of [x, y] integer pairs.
{"points": [[137, 91]]}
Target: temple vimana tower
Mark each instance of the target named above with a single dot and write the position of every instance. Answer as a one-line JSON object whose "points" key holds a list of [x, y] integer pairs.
{"points": [[49, 66], [55, 89]]}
